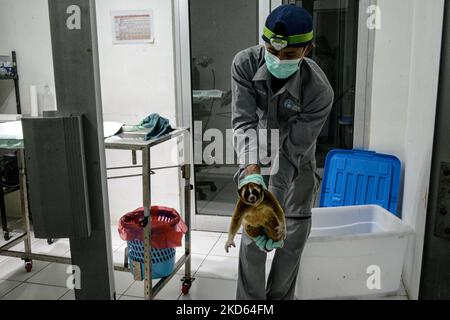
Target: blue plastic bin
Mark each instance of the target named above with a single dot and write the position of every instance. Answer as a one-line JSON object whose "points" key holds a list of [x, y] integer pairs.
{"points": [[357, 177], [163, 260]]}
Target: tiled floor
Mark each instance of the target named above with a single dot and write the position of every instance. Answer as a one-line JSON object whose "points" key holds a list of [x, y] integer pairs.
{"points": [[214, 270]]}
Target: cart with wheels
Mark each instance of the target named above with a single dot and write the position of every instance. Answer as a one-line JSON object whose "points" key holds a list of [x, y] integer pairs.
{"points": [[134, 142], [121, 142]]}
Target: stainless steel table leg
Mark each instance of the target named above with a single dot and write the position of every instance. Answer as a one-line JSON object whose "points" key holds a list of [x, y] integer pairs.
{"points": [[146, 177], [4, 219], [24, 204], [187, 281]]}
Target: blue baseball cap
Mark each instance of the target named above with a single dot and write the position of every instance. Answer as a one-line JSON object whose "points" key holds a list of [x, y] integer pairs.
{"points": [[289, 26]]}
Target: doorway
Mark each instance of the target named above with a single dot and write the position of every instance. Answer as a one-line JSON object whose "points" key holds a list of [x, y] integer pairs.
{"points": [[214, 26], [213, 45]]}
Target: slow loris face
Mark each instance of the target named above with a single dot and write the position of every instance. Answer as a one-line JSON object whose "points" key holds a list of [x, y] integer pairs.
{"points": [[252, 194]]}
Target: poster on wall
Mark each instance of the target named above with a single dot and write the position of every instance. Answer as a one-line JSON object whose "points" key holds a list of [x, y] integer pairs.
{"points": [[132, 26]]}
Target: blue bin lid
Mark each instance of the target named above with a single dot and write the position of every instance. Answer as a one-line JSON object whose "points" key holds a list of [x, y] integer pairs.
{"points": [[358, 177]]}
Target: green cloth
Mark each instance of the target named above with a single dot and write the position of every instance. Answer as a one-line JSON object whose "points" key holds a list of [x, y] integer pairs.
{"points": [[253, 178], [158, 126]]}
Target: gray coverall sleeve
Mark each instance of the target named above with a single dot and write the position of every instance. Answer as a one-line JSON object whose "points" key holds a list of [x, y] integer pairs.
{"points": [[244, 118], [307, 126]]}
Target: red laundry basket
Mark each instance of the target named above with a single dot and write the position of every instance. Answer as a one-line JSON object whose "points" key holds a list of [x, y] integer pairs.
{"points": [[167, 227]]}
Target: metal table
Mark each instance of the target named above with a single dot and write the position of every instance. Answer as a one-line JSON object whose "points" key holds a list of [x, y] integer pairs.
{"points": [[133, 142]]}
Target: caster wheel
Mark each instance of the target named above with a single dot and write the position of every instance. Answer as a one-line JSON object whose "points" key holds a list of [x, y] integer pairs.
{"points": [[185, 289], [213, 189], [28, 266], [6, 236], [50, 242]]}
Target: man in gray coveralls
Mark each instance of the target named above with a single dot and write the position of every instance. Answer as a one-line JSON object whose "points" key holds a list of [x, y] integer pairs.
{"points": [[276, 87]]}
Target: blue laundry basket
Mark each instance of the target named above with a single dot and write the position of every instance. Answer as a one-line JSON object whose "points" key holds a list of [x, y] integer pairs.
{"points": [[163, 260]]}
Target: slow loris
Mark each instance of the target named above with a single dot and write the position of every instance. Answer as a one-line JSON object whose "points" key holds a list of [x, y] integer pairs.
{"points": [[259, 212]]}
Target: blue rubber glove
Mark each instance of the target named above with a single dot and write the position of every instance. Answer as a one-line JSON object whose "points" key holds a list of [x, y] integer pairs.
{"points": [[253, 178], [266, 244]]}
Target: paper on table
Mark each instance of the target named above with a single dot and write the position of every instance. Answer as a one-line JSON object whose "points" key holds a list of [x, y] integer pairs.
{"points": [[11, 130], [112, 128], [9, 117]]}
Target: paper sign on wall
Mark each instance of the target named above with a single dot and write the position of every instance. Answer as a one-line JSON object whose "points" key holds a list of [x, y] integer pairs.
{"points": [[132, 26]]}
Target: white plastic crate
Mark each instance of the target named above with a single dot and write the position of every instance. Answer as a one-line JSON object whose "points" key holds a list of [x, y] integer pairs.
{"points": [[345, 247]]}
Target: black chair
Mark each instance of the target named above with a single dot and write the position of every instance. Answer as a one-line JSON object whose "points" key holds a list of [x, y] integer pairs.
{"points": [[199, 185]]}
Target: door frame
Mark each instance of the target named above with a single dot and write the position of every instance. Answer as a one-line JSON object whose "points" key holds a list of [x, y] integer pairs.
{"points": [[182, 53]]}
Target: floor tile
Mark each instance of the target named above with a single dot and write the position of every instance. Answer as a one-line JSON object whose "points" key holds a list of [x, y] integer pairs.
{"points": [[54, 274], [196, 260], [206, 233], [59, 248], [6, 286], [201, 244], [31, 291], [171, 291], [123, 280], [219, 248], [114, 249], [130, 298], [115, 237], [12, 234], [19, 247], [70, 295], [396, 298], [119, 255], [14, 269], [224, 235], [212, 289], [219, 267]]}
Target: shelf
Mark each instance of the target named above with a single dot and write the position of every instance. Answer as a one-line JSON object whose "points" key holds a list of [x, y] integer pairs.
{"points": [[9, 190], [9, 77]]}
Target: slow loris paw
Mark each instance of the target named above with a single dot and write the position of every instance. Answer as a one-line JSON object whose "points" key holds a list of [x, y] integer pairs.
{"points": [[229, 244], [281, 232]]}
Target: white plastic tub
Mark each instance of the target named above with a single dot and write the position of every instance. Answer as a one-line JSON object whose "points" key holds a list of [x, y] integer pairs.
{"points": [[347, 243]]}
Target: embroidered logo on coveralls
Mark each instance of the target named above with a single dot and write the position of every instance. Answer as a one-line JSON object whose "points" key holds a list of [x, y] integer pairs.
{"points": [[290, 104]]}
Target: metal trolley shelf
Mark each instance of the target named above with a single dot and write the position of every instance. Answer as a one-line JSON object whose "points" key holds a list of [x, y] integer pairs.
{"points": [[134, 143]]}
